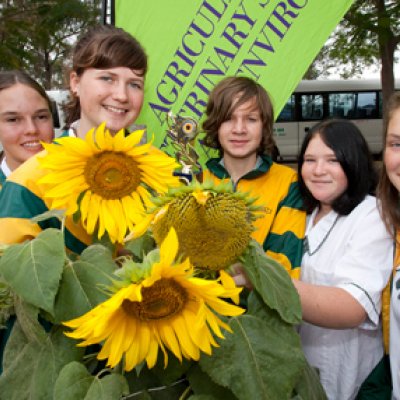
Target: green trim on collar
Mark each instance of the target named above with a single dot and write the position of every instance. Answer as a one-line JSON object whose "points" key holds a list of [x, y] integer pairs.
{"points": [[220, 172]]}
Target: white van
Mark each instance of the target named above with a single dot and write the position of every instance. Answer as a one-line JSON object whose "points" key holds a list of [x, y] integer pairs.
{"points": [[58, 99], [357, 100]]}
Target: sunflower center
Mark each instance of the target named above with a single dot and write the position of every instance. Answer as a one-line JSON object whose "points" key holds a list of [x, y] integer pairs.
{"points": [[213, 235], [112, 175], [162, 300]]}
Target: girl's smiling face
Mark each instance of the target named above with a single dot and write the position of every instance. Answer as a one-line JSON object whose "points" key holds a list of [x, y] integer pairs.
{"points": [[113, 96], [392, 149], [322, 173], [25, 121]]}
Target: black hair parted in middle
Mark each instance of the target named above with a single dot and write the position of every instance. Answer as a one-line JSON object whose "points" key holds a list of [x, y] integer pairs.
{"points": [[354, 156]]}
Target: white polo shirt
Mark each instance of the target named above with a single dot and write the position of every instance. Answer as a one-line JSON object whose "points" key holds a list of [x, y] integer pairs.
{"points": [[356, 255]]}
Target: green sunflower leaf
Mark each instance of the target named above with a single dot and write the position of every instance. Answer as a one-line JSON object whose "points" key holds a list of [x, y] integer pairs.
{"points": [[59, 214], [262, 359], [158, 383], [33, 269], [204, 387], [75, 382], [112, 386], [309, 386], [31, 368], [141, 246], [28, 319], [272, 282], [84, 282]]}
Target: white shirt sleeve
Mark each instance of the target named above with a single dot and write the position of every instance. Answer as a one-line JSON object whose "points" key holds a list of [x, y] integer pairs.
{"points": [[357, 256], [365, 266]]}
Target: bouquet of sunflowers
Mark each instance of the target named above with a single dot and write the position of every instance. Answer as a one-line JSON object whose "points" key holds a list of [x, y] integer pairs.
{"points": [[148, 310]]}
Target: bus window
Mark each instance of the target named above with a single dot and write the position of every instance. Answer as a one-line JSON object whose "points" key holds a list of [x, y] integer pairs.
{"points": [[312, 106], [357, 100], [366, 105], [287, 113], [341, 105]]}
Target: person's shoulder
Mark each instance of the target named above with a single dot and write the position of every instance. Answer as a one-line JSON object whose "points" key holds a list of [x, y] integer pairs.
{"points": [[366, 210], [283, 171], [369, 203], [30, 170]]}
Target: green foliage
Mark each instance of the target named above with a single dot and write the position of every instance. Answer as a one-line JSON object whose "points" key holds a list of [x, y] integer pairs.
{"points": [[31, 368], [84, 283], [262, 358], [308, 386], [211, 391], [75, 382], [140, 246], [272, 282], [368, 35], [36, 35], [33, 269], [6, 303]]}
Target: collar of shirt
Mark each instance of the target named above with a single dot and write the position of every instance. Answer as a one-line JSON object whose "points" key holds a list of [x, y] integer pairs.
{"points": [[5, 168], [216, 166]]}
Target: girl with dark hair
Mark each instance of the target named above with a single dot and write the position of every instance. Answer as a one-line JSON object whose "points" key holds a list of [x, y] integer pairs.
{"points": [[347, 258], [388, 192], [25, 120]]}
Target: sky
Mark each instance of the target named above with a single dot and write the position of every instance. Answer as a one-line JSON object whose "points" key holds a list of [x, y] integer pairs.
{"points": [[373, 73], [370, 73]]}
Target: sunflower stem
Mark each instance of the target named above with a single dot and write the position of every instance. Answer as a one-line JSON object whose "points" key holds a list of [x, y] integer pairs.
{"points": [[63, 225], [186, 393], [103, 371]]}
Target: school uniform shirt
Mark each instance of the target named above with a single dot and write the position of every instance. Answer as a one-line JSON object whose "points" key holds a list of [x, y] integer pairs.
{"points": [[2, 178], [394, 346], [280, 230], [355, 253]]}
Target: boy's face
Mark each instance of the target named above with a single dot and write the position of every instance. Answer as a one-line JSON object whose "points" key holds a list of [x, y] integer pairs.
{"points": [[240, 136]]}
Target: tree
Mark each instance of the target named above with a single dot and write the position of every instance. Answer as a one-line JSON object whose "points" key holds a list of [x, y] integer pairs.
{"points": [[38, 34], [368, 34]]}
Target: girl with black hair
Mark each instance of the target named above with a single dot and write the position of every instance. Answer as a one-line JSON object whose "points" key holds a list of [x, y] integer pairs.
{"points": [[347, 258]]}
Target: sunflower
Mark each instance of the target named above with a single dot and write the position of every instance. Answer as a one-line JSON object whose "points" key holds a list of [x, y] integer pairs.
{"points": [[213, 223], [157, 304], [107, 178]]}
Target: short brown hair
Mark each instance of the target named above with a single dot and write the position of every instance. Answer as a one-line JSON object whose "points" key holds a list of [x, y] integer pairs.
{"points": [[222, 102], [387, 192], [104, 47]]}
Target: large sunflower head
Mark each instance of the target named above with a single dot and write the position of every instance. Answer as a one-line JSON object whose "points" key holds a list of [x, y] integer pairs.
{"points": [[213, 223], [157, 304], [109, 179]]}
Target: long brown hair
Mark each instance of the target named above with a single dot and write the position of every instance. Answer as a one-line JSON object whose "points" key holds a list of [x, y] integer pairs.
{"points": [[104, 47], [229, 94], [387, 192]]}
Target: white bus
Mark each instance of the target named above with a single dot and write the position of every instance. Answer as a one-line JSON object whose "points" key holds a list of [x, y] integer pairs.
{"points": [[357, 100], [58, 99]]}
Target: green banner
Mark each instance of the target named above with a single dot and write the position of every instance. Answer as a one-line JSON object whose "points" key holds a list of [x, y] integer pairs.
{"points": [[192, 44]]}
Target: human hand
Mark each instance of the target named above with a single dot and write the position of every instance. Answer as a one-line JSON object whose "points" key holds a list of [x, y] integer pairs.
{"points": [[239, 276]]}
